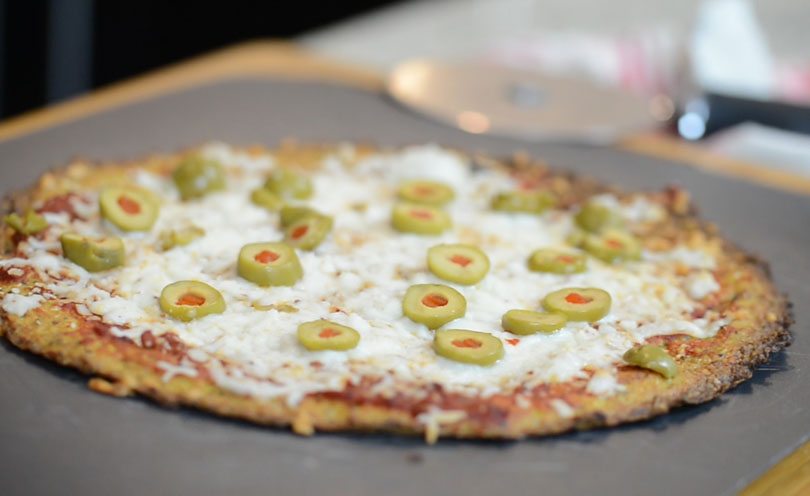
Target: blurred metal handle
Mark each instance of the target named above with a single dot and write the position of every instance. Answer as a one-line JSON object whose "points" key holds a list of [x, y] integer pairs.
{"points": [[711, 112]]}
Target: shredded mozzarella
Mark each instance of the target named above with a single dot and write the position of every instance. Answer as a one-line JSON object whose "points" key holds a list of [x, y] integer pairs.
{"points": [[358, 276], [19, 305]]}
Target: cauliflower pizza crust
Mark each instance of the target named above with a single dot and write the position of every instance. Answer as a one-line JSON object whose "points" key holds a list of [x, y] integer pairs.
{"points": [[711, 306]]}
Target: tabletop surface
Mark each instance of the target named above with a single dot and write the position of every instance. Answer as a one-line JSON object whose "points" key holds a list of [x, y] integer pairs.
{"points": [[57, 435]]}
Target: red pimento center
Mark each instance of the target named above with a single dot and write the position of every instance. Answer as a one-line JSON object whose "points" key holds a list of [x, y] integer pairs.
{"points": [[434, 300], [614, 243], [466, 343], [266, 256], [128, 205], [421, 214], [461, 260], [577, 299], [423, 191], [328, 333], [299, 231], [528, 184], [513, 342], [190, 299], [566, 259]]}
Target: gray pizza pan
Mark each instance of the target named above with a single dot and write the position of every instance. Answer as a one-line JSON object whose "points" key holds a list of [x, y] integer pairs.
{"points": [[56, 436]]}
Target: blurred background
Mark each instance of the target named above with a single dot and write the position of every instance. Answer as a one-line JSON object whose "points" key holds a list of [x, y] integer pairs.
{"points": [[735, 71], [53, 49]]}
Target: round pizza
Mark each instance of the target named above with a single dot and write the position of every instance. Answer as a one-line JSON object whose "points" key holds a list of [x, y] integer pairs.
{"points": [[417, 290]]}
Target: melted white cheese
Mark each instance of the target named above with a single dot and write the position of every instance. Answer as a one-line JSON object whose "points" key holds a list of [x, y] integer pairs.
{"points": [[173, 370], [603, 382], [363, 269], [695, 259], [562, 408], [701, 284], [19, 305]]}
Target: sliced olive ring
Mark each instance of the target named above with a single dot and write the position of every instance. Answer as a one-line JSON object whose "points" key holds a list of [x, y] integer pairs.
{"points": [[433, 304], [419, 219], [526, 322], [321, 335], [93, 254], [197, 176], [556, 261], [594, 217], [654, 358], [281, 306], [425, 192], [266, 199], [31, 223], [459, 345], [530, 202], [269, 264], [291, 213], [130, 209], [461, 264], [307, 233], [179, 237], [579, 304], [189, 300], [576, 237], [613, 245], [288, 184]]}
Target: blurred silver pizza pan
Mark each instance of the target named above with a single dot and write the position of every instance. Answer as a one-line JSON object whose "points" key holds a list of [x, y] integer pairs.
{"points": [[483, 98]]}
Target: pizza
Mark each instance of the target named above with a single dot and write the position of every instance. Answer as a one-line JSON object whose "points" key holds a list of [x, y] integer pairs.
{"points": [[417, 290]]}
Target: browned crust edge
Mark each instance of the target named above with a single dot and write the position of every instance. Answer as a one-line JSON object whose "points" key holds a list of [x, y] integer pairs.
{"points": [[707, 367]]}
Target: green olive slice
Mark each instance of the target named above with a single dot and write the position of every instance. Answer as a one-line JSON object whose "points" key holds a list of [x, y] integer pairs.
{"points": [[579, 304], [288, 184], [594, 217], [433, 304], [613, 245], [530, 202], [307, 233], [652, 357], [30, 223], [197, 176], [281, 306], [556, 261], [576, 237], [419, 219], [179, 237], [461, 264], [266, 199], [459, 345], [321, 335], [189, 300], [269, 264], [292, 213], [526, 322], [129, 209], [425, 192], [94, 254]]}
